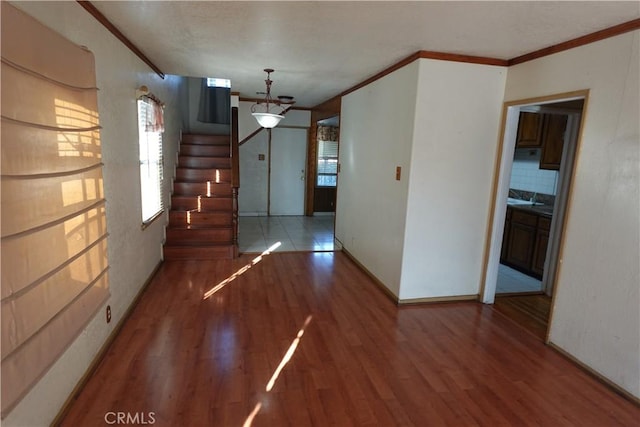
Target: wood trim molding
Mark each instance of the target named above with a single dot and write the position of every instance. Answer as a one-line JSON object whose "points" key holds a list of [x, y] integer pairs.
{"points": [[89, 7], [251, 135], [383, 288], [381, 74], [595, 374], [578, 41], [235, 154], [422, 54], [443, 56], [310, 184], [433, 300], [328, 108], [254, 100], [425, 54], [412, 301], [547, 99]]}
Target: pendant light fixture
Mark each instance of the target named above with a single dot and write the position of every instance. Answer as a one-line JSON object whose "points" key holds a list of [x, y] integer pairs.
{"points": [[268, 112]]}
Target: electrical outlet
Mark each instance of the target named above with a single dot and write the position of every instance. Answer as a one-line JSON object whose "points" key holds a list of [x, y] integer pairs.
{"points": [[108, 313]]}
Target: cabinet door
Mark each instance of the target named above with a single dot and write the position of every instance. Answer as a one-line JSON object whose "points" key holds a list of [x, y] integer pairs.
{"points": [[505, 236], [553, 141], [529, 130], [540, 251], [324, 199], [521, 244]]}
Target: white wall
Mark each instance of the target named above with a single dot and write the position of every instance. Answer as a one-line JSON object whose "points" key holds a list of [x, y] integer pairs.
{"points": [[456, 130], [133, 253], [596, 316], [254, 173], [376, 134]]}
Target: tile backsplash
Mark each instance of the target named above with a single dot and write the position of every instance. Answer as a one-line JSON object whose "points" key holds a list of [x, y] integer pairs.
{"points": [[527, 175]]}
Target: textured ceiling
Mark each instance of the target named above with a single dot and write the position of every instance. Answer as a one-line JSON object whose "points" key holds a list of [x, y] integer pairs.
{"points": [[319, 49]]}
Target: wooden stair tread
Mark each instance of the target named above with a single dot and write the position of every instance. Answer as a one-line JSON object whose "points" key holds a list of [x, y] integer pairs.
{"points": [[200, 139], [198, 252], [201, 244], [205, 168], [209, 227], [200, 225]]}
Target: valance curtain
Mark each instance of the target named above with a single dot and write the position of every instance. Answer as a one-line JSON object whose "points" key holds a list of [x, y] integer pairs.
{"points": [[327, 133], [53, 234], [154, 116], [215, 104]]}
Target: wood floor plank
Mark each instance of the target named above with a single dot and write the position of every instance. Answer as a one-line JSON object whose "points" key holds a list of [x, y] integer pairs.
{"points": [[346, 356]]}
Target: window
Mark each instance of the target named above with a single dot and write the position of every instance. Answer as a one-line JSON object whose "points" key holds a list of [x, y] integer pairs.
{"points": [[215, 82], [150, 139], [327, 164]]}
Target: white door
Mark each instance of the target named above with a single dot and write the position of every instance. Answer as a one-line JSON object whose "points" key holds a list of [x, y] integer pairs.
{"points": [[288, 163]]}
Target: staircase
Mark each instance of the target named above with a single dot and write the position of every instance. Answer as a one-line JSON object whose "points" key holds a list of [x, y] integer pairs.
{"points": [[202, 218]]}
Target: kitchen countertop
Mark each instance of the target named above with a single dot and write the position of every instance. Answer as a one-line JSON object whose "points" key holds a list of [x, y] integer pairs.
{"points": [[543, 210]]}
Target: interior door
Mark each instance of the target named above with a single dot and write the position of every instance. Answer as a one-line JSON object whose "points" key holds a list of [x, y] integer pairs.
{"points": [[288, 162]]}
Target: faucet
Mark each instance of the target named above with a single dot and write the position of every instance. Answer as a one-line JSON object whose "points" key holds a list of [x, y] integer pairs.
{"points": [[533, 198]]}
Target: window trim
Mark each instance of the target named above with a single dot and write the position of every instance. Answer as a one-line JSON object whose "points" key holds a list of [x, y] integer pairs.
{"points": [[318, 173], [143, 138]]}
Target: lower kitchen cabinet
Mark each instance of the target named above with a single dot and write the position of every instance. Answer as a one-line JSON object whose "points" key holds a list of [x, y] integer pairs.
{"points": [[525, 241], [505, 236], [540, 249], [522, 239]]}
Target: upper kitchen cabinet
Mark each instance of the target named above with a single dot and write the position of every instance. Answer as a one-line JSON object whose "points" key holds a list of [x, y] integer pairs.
{"points": [[553, 141], [529, 130]]}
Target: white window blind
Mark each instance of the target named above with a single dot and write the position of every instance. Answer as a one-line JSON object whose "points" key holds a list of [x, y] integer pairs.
{"points": [[327, 164], [217, 82], [151, 174]]}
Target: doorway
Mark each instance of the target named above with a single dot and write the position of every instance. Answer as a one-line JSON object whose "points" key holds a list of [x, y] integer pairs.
{"points": [[326, 166], [536, 164], [283, 155]]}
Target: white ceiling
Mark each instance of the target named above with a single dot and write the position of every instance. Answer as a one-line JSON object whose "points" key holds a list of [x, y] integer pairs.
{"points": [[319, 49]]}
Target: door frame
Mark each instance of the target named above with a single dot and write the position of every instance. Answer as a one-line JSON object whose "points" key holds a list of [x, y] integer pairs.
{"points": [[501, 179]]}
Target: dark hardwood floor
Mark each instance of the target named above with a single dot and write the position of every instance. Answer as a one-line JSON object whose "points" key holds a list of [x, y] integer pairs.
{"points": [[529, 311], [354, 358]]}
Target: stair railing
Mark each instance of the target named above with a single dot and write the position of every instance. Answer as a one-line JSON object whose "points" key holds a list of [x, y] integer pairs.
{"points": [[235, 175]]}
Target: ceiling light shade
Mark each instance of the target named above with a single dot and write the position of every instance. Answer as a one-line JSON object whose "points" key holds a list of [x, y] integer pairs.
{"points": [[268, 112], [268, 120]]}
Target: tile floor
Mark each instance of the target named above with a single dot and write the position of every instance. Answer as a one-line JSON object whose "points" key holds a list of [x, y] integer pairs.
{"points": [[510, 280], [296, 233]]}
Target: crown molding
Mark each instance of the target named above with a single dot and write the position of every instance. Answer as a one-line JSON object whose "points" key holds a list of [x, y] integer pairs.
{"points": [[616, 30], [89, 7]]}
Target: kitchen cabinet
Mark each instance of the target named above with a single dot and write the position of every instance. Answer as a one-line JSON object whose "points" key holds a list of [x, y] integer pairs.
{"points": [[540, 248], [525, 241], [505, 236], [522, 238], [529, 130], [324, 199], [552, 141]]}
